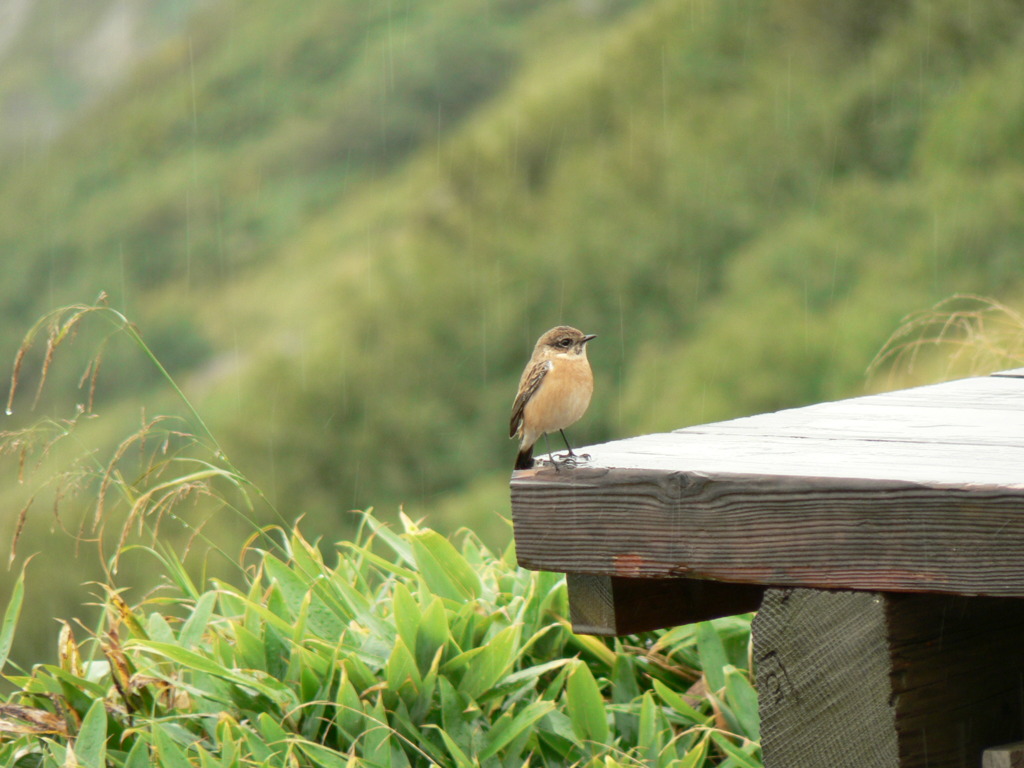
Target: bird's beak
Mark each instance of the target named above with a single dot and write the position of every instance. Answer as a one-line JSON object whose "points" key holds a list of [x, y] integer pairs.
{"points": [[588, 337]]}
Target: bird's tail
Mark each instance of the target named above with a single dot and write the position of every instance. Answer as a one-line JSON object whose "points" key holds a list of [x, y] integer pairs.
{"points": [[524, 459]]}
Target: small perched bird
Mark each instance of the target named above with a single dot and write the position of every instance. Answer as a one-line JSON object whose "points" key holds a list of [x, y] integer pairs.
{"points": [[554, 390]]}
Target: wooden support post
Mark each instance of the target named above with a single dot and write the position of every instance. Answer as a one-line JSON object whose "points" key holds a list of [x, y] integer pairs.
{"points": [[613, 605], [888, 680], [1006, 756]]}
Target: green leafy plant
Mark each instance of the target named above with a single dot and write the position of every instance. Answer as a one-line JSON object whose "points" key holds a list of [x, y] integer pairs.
{"points": [[409, 650]]}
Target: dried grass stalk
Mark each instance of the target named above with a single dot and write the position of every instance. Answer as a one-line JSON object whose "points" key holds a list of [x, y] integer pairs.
{"points": [[979, 334]]}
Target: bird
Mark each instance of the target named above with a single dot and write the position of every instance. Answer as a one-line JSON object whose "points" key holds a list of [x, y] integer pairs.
{"points": [[554, 390]]}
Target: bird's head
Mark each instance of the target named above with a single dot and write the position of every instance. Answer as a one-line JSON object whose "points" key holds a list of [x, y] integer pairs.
{"points": [[564, 341]]}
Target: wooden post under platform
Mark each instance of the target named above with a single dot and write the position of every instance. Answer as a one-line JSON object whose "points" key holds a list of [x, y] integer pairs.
{"points": [[859, 679]]}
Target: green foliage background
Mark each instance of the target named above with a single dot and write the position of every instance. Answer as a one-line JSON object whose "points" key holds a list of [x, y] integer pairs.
{"points": [[342, 225], [413, 650]]}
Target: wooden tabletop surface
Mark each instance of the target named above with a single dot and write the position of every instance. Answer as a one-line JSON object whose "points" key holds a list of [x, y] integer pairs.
{"points": [[913, 490]]}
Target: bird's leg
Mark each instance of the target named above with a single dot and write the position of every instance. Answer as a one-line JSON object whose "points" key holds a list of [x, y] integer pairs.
{"points": [[567, 446], [551, 457], [570, 457]]}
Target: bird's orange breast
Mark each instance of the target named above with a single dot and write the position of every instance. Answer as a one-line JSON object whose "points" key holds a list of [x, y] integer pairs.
{"points": [[562, 397]]}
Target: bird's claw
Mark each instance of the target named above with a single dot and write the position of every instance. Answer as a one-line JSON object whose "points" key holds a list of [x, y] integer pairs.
{"points": [[558, 460], [572, 459]]}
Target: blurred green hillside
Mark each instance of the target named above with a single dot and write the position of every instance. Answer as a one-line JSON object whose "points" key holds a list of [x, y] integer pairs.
{"points": [[57, 57], [342, 225]]}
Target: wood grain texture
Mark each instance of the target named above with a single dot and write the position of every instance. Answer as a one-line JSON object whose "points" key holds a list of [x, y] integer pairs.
{"points": [[822, 675], [957, 676], [861, 678], [918, 490], [961, 432], [610, 605]]}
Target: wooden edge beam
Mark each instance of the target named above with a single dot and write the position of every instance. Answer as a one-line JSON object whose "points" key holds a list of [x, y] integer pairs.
{"points": [[1006, 756], [615, 605]]}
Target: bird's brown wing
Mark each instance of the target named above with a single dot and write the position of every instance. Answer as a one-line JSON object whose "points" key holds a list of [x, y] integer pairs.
{"points": [[528, 385]]}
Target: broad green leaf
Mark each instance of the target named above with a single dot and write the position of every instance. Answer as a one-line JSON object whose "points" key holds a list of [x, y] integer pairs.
{"points": [[712, 655], [297, 591], [553, 690], [586, 705], [227, 733], [316, 688], [551, 591], [555, 737], [491, 663], [323, 756], [433, 633], [258, 751], [742, 757], [60, 755], [461, 758], [453, 712], [625, 689], [397, 543], [624, 675], [11, 614], [232, 602], [695, 757], [652, 729], [669, 755], [385, 565], [377, 736], [443, 568], [308, 561], [361, 675], [350, 706], [158, 629], [84, 688], [275, 691], [528, 677], [250, 653], [401, 672], [267, 616], [197, 623], [407, 734], [276, 651], [732, 721], [293, 587], [406, 615], [468, 625], [169, 753], [677, 638], [678, 703], [357, 606], [276, 601], [742, 700], [594, 646], [505, 732], [138, 755], [91, 743], [206, 760], [273, 733]]}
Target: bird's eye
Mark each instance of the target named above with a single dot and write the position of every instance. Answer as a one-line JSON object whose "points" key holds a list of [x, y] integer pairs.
{"points": [[565, 343]]}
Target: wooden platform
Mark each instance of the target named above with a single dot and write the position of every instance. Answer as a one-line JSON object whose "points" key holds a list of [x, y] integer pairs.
{"points": [[916, 491]]}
